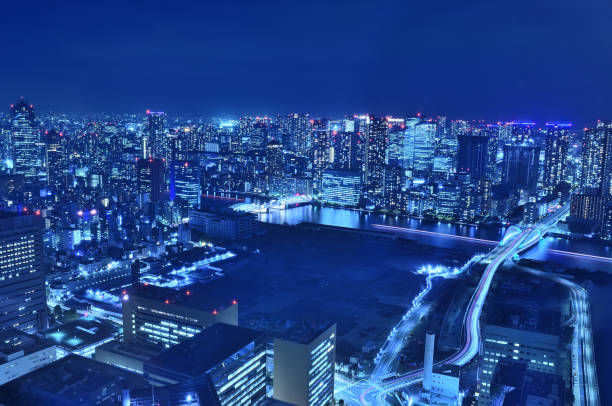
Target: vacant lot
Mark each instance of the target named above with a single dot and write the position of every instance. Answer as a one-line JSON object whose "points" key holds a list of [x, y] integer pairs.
{"points": [[362, 283]]}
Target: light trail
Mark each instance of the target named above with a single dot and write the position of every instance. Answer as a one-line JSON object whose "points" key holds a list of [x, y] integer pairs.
{"points": [[392, 347], [577, 254], [586, 387], [372, 393], [414, 230], [520, 242]]}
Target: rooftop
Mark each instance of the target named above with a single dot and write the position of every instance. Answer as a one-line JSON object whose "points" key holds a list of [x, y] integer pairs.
{"points": [[13, 341], [305, 332], [80, 333], [525, 318], [448, 370], [197, 295], [72, 380], [205, 350]]}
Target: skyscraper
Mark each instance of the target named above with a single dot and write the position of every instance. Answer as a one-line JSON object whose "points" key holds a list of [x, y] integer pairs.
{"points": [[258, 137], [320, 152], [55, 160], [375, 154], [275, 163], [150, 176], [156, 135], [472, 155], [393, 188], [520, 167], [424, 148], [22, 280], [341, 188], [187, 182], [555, 154], [597, 158], [24, 137]]}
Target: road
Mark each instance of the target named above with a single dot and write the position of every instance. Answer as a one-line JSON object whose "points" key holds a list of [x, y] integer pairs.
{"points": [[374, 391], [584, 373]]}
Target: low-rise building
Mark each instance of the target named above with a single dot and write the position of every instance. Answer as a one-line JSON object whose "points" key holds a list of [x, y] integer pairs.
{"points": [[22, 353]]}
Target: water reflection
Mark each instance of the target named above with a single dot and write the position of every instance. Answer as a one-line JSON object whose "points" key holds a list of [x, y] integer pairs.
{"points": [[364, 220]]}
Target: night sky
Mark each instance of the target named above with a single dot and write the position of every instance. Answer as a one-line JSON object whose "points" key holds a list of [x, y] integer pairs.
{"points": [[536, 59]]}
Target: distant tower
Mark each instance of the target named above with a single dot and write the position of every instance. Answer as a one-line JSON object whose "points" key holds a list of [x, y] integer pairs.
{"points": [[136, 273], [472, 155], [24, 137], [430, 338], [150, 177], [157, 142], [555, 154]]}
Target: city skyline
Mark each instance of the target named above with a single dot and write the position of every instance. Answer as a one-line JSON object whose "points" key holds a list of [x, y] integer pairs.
{"points": [[475, 61], [323, 203]]}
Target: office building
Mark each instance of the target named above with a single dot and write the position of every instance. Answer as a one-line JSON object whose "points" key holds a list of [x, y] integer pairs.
{"points": [[258, 136], [319, 152], [423, 148], [224, 225], [158, 144], [230, 359], [166, 317], [150, 178], [55, 161], [304, 365], [586, 210], [555, 154], [448, 201], [341, 188], [606, 228], [22, 280], [22, 353], [24, 136], [513, 335], [374, 159], [597, 158], [187, 183], [472, 156], [521, 131], [520, 166], [393, 189], [346, 151], [275, 160], [73, 380]]}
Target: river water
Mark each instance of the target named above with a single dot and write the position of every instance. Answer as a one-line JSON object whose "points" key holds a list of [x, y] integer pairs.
{"points": [[547, 250]]}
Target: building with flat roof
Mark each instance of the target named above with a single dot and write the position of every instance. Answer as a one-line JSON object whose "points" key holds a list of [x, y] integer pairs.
{"points": [[22, 353], [520, 334], [304, 364], [515, 384], [22, 281], [230, 359], [445, 385], [126, 355], [81, 336], [166, 317], [223, 224], [341, 188], [71, 381]]}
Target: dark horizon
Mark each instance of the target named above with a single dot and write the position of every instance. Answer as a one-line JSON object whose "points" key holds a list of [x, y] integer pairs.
{"points": [[545, 62]]}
